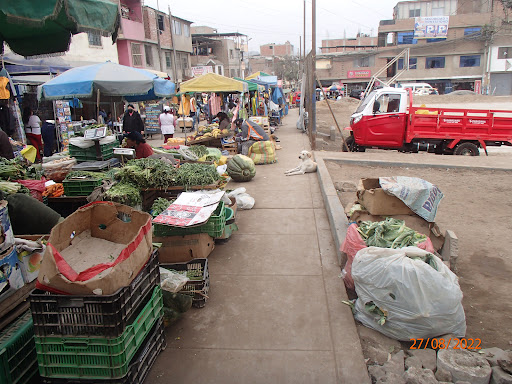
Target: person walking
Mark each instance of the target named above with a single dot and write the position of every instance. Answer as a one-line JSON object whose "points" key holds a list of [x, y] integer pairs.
{"points": [[167, 123], [132, 122], [33, 130]]}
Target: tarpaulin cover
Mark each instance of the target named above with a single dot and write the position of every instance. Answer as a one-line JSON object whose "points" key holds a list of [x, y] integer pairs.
{"points": [[45, 26], [256, 74], [252, 86], [212, 82], [111, 79], [276, 95]]}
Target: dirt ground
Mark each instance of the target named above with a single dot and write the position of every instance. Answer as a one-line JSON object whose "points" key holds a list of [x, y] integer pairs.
{"points": [[344, 108], [478, 208]]}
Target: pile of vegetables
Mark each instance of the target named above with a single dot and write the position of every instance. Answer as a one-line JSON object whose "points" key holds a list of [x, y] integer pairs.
{"points": [[390, 233], [54, 190], [148, 173], [9, 188], [86, 175], [199, 150], [124, 193], [11, 169], [190, 174]]}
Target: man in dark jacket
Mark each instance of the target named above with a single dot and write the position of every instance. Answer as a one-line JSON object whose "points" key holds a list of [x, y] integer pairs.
{"points": [[132, 122]]}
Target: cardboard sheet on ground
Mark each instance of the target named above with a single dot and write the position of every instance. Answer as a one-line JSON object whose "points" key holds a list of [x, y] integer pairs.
{"points": [[190, 209]]}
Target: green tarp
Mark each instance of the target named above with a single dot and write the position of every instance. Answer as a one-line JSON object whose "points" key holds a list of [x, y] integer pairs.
{"points": [[252, 86], [40, 27]]}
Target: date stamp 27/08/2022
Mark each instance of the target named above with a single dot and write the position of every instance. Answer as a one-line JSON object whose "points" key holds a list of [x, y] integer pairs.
{"points": [[442, 343]]}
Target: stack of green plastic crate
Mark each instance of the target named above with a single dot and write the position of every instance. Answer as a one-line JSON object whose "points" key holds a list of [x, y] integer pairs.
{"points": [[18, 358], [89, 154]]}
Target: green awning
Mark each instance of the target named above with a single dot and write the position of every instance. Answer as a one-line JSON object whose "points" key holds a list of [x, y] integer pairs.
{"points": [[252, 86], [45, 27]]}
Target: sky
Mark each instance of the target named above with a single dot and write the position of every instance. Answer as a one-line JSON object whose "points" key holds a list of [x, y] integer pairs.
{"points": [[276, 21]]}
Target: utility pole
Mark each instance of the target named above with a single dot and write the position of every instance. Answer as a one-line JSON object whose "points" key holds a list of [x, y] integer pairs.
{"points": [[304, 37], [313, 69], [158, 37], [174, 66]]}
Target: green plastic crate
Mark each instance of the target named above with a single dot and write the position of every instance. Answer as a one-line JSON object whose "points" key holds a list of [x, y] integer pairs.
{"points": [[89, 154], [97, 358], [18, 357], [80, 187], [213, 227]]}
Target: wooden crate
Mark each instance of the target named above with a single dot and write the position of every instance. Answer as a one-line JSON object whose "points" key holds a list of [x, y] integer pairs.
{"points": [[231, 148]]}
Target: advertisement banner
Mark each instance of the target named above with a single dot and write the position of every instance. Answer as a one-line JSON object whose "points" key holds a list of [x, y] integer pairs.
{"points": [[432, 27], [363, 73], [201, 70], [478, 87]]}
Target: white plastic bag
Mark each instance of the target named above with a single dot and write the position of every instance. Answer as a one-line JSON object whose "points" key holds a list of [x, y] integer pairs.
{"points": [[418, 300], [172, 281], [80, 142], [243, 199]]}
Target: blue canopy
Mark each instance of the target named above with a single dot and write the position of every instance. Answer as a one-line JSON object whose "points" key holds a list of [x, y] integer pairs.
{"points": [[267, 81], [110, 79], [276, 95]]}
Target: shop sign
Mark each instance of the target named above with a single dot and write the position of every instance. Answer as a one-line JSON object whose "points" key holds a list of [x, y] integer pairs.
{"points": [[478, 87], [201, 70], [363, 73], [431, 27]]}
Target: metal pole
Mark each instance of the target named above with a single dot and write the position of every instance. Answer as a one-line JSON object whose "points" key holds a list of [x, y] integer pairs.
{"points": [[304, 37], [313, 69], [174, 67]]}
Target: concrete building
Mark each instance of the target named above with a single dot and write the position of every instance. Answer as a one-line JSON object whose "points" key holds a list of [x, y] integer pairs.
{"points": [[145, 40], [285, 49], [466, 59], [359, 43], [222, 53]]}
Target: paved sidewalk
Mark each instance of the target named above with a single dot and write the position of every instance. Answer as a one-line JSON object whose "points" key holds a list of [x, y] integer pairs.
{"points": [[275, 313]]}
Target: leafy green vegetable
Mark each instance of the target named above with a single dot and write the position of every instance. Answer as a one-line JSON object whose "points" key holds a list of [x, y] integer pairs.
{"points": [[85, 175], [11, 169], [390, 233], [159, 205], [199, 150], [372, 308], [190, 174], [148, 173], [124, 193], [9, 187]]}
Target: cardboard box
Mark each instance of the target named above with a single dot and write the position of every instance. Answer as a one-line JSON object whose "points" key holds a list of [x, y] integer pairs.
{"points": [[97, 250], [11, 277], [378, 202], [180, 249], [412, 221], [30, 256]]}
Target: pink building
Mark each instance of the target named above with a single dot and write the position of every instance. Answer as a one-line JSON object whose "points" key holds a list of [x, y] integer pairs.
{"points": [[285, 49], [145, 40]]}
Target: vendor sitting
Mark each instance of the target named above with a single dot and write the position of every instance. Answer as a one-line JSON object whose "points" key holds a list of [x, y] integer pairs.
{"points": [[224, 122], [251, 132], [135, 140]]}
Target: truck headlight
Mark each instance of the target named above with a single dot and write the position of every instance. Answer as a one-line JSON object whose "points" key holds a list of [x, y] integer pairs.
{"points": [[356, 119]]}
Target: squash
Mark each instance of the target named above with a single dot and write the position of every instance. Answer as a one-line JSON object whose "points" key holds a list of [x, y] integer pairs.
{"points": [[241, 168]]}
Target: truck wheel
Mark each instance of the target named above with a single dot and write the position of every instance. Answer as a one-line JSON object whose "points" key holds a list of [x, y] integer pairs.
{"points": [[467, 149]]}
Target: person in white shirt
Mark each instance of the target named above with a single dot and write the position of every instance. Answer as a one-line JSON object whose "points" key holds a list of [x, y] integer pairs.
{"points": [[33, 130], [167, 123]]}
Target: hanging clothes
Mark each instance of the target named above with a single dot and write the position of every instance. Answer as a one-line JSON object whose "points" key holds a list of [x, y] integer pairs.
{"points": [[4, 92], [185, 105], [254, 106], [5, 119], [215, 104]]}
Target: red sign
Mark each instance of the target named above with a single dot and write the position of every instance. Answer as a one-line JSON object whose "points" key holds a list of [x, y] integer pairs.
{"points": [[363, 73], [478, 87]]}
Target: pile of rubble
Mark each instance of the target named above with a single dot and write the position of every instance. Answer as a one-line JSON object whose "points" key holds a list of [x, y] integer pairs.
{"points": [[459, 366]]}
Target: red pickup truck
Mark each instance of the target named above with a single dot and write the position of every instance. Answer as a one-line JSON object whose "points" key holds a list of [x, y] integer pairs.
{"points": [[386, 119]]}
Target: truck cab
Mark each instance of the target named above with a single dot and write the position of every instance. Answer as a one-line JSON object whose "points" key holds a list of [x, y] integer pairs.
{"points": [[380, 120]]}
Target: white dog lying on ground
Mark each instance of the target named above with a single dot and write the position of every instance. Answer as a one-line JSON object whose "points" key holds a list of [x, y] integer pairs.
{"points": [[307, 165]]}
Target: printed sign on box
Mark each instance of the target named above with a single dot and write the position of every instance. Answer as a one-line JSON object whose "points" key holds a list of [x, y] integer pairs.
{"points": [[432, 27]]}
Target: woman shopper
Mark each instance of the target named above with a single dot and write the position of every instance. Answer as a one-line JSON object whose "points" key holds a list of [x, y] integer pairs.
{"points": [[33, 130], [167, 123]]}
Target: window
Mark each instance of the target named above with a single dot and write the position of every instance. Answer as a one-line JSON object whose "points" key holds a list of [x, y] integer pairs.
{"points": [[406, 38], [438, 11], [413, 61], [230, 53], [364, 62], [184, 62], [177, 27], [434, 62], [161, 22], [414, 12], [219, 69], [168, 61], [136, 55], [387, 103], [504, 52], [472, 33], [436, 40], [94, 39], [232, 71], [470, 61], [149, 55], [186, 30]]}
